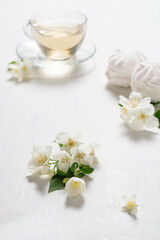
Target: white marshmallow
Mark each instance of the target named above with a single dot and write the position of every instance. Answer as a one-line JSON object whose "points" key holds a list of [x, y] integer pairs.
{"points": [[146, 80], [121, 66]]}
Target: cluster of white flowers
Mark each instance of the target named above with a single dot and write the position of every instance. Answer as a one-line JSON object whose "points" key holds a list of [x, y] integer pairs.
{"points": [[67, 165], [20, 69], [138, 113]]}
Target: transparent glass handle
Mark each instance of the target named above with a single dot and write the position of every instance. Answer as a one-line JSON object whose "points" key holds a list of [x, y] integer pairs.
{"points": [[26, 29]]}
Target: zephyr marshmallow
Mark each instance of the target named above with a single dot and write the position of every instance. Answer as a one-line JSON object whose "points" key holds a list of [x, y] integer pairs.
{"points": [[146, 80], [121, 66]]}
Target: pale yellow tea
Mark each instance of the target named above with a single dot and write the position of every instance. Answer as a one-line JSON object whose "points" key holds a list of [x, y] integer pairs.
{"points": [[58, 41]]}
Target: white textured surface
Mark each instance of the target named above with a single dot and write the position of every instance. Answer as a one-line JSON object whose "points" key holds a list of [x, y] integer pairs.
{"points": [[35, 111]]}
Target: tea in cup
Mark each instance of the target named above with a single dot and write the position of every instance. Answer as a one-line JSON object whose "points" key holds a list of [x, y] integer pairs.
{"points": [[59, 35]]}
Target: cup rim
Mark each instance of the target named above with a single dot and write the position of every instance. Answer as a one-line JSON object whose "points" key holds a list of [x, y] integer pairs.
{"points": [[69, 11]]}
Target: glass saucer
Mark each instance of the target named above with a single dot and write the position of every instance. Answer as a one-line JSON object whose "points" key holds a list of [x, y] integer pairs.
{"points": [[78, 65], [29, 49]]}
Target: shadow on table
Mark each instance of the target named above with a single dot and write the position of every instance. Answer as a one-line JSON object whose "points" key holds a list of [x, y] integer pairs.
{"points": [[47, 75], [41, 183], [136, 136], [76, 202], [117, 90]]}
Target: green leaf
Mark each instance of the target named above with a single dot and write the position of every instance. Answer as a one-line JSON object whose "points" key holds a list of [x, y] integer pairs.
{"points": [[65, 180], [153, 103], [76, 170], [79, 175], [157, 115], [120, 105], [13, 62], [56, 183], [61, 173], [86, 169], [74, 166], [60, 145]]}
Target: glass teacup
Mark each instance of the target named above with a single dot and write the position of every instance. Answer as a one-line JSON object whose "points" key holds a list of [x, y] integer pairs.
{"points": [[59, 35]]}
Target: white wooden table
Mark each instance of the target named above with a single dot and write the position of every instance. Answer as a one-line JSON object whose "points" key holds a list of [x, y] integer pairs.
{"points": [[34, 112]]}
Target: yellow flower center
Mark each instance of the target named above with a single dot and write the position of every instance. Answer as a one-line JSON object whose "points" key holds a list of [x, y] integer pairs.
{"points": [[70, 142], [142, 117], [24, 68], [92, 153], [80, 156], [76, 184], [131, 205], [134, 102], [41, 158], [65, 160], [124, 110], [16, 70]]}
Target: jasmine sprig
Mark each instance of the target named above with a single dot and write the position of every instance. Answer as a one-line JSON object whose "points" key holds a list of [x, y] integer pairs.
{"points": [[138, 113], [66, 166], [20, 69]]}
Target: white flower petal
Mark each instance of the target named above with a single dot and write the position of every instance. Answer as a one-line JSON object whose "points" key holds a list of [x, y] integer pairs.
{"points": [[64, 160], [135, 124], [151, 124], [62, 137], [48, 151], [33, 166], [150, 110], [34, 163], [87, 160], [75, 186], [94, 145], [145, 100], [135, 95], [75, 135], [135, 101], [146, 109], [69, 140], [134, 212], [85, 148], [21, 69], [64, 167], [37, 149], [45, 169], [73, 160], [142, 109], [40, 155], [124, 101], [74, 151], [59, 155], [125, 113], [138, 113], [130, 205]]}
